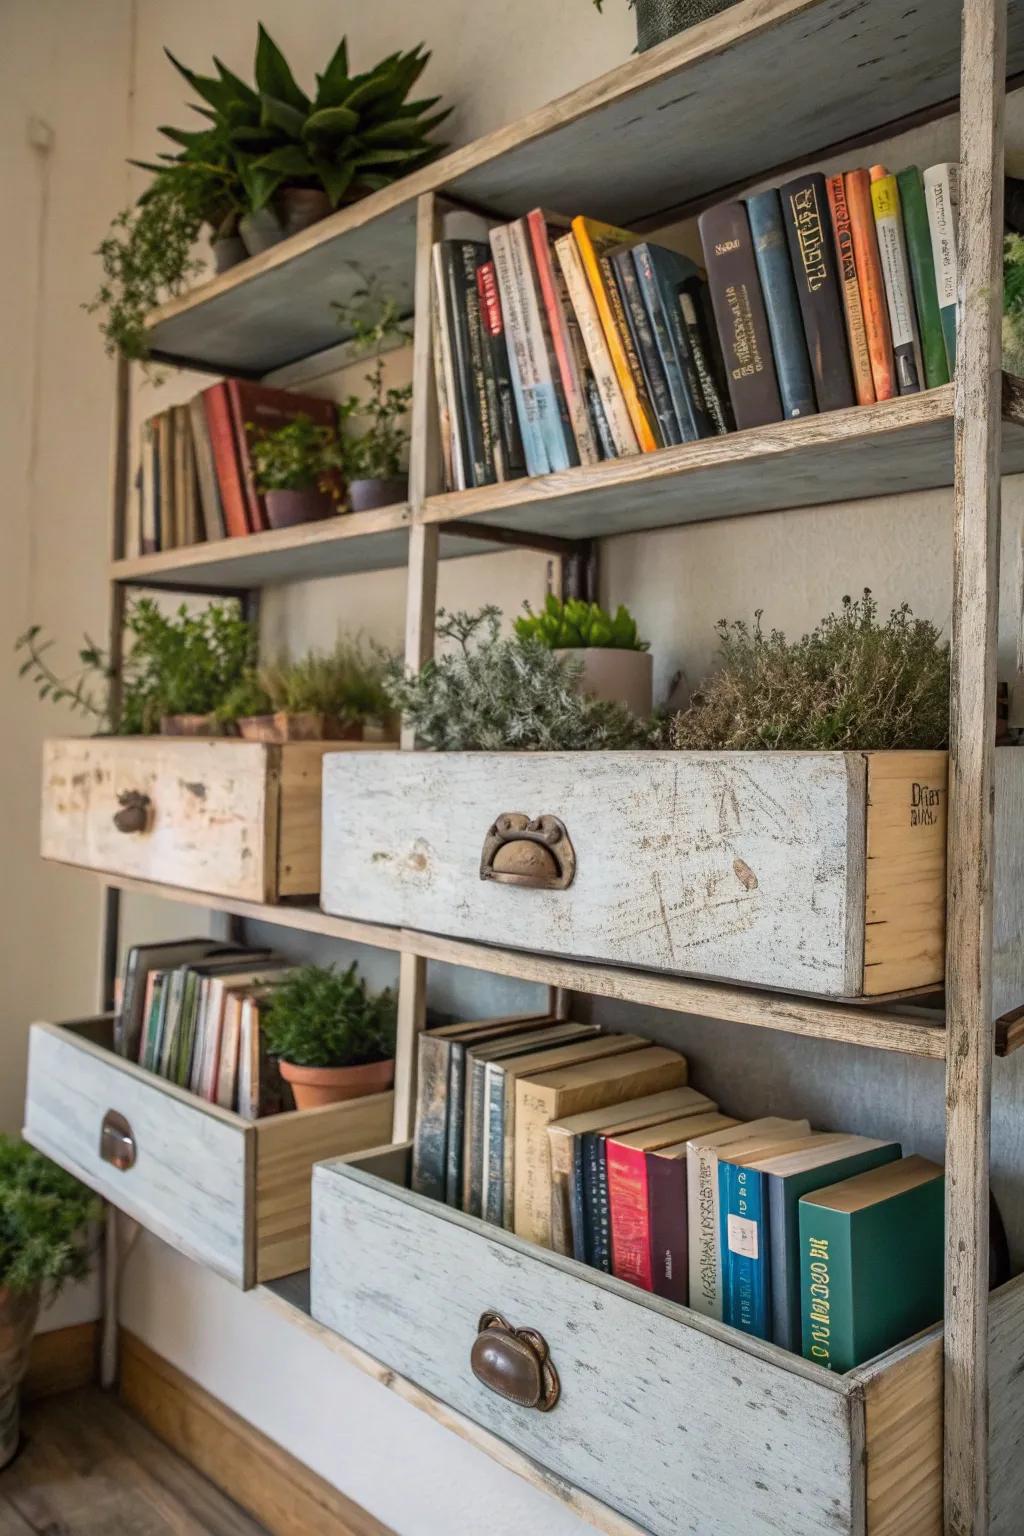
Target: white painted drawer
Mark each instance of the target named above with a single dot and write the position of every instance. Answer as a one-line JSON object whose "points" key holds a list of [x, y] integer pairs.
{"points": [[231, 1193]]}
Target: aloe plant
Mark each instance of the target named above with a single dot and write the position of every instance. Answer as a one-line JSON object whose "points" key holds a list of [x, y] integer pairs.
{"points": [[576, 625]]}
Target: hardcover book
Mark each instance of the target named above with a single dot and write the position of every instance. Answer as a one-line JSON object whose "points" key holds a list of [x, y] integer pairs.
{"points": [[567, 347], [740, 315], [815, 267], [781, 303], [459, 262], [620, 427], [558, 439], [942, 195], [594, 242], [530, 407], [453, 429], [922, 273], [206, 473], [644, 346], [892, 247], [513, 461], [853, 306], [668, 1215], [663, 276], [874, 304]]}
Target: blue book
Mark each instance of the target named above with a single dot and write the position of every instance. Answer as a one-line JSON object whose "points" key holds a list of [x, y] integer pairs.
{"points": [[662, 275], [534, 431], [782, 305], [744, 1239]]}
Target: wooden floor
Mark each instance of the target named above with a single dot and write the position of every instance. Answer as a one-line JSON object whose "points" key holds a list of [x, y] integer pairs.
{"points": [[88, 1468]]}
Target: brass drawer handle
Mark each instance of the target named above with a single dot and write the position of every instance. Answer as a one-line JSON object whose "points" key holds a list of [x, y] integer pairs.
{"points": [[538, 853], [117, 1141], [514, 1362], [135, 811]]}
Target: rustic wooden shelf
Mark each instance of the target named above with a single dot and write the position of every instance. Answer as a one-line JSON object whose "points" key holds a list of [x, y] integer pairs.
{"points": [[876, 450], [659, 132]]}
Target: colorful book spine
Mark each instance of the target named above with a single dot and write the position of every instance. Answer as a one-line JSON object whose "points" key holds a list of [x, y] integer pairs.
{"points": [[872, 283], [627, 335], [666, 1204], [892, 247], [942, 196], [620, 427], [661, 274], [705, 1255], [494, 1148], [563, 344], [596, 1202], [815, 268], [743, 1240], [645, 346], [430, 1142], [782, 306], [740, 315], [627, 1194], [594, 240], [699, 331], [494, 331], [853, 306], [527, 403], [225, 457], [459, 264], [577, 1201], [444, 369], [542, 372], [922, 273]]}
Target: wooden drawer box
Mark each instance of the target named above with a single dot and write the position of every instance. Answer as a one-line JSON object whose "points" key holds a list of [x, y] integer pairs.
{"points": [[676, 1422], [229, 817], [230, 1193], [807, 872]]}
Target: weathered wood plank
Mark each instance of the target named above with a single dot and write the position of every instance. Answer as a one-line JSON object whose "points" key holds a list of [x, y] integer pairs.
{"points": [[905, 895], [903, 1443], [629, 1428]]}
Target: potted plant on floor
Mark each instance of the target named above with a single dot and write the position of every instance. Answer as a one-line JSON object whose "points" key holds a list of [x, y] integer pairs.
{"points": [[45, 1217], [372, 459], [295, 469], [657, 20], [333, 1039], [615, 662], [333, 695]]}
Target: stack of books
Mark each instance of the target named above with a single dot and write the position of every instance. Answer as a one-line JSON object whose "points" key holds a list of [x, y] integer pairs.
{"points": [[195, 479], [596, 1146], [190, 1012], [560, 342], [835, 291]]}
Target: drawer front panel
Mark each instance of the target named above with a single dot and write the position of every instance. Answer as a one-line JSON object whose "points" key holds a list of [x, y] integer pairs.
{"points": [[188, 1182], [669, 1424], [211, 822], [743, 866]]}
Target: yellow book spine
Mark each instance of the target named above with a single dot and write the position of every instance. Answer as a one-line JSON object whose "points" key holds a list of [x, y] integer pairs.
{"points": [[584, 230]]}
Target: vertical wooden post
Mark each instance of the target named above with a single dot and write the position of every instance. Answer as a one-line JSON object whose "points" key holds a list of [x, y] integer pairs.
{"points": [[978, 430], [412, 1015]]}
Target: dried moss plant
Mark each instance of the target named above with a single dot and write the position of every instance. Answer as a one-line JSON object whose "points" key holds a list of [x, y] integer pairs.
{"points": [[494, 694], [851, 684]]}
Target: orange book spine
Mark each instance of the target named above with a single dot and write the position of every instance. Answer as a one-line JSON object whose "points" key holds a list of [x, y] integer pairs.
{"points": [[853, 307], [872, 285], [630, 1223], [582, 230]]}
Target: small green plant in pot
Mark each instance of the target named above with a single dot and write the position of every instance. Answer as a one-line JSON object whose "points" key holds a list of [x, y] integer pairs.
{"points": [[372, 458], [615, 663], [45, 1241], [295, 469], [334, 1040], [333, 695]]}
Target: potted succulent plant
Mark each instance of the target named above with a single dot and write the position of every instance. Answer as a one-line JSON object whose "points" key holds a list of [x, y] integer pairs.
{"points": [[326, 696], [295, 468], [333, 1039], [658, 19], [615, 662], [371, 459], [45, 1240]]}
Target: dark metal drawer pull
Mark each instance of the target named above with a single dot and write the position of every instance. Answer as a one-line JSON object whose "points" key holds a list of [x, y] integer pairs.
{"points": [[514, 1362], [117, 1141], [134, 813], [538, 853]]}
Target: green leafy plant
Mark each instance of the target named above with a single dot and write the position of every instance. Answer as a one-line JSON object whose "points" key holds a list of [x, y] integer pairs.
{"points": [[319, 1016], [1013, 303], [851, 684], [575, 624], [182, 664], [297, 456], [346, 683], [376, 452], [45, 1217], [492, 694]]}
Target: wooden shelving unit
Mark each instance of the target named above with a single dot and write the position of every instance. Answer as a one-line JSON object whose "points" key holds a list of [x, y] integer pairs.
{"points": [[668, 132]]}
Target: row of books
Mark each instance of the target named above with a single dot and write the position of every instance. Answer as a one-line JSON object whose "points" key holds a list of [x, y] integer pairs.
{"points": [[190, 1012], [595, 1145], [830, 292], [195, 475], [559, 342]]}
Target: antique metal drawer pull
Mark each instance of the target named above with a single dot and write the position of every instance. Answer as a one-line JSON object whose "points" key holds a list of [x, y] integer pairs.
{"points": [[514, 1362], [117, 1141], [134, 813], [538, 853]]}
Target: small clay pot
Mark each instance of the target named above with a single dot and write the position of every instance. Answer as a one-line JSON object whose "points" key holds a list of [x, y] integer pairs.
{"points": [[286, 508], [18, 1313], [192, 725], [300, 207], [315, 1086], [615, 676], [227, 252], [260, 231], [281, 727], [364, 495]]}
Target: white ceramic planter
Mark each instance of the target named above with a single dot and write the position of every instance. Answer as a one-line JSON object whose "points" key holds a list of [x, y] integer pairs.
{"points": [[618, 677]]}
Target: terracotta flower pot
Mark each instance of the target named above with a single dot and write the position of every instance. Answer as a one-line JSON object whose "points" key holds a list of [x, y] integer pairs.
{"points": [[300, 207], [617, 677], [282, 726], [658, 19], [364, 495], [18, 1313], [314, 1086], [286, 508], [191, 725]]}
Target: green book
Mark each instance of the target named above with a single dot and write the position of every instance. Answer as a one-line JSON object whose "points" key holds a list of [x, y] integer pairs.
{"points": [[922, 272], [871, 1261]]}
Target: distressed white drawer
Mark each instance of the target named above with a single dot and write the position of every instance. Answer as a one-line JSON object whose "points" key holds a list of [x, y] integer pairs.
{"points": [[678, 1423], [231, 1193]]}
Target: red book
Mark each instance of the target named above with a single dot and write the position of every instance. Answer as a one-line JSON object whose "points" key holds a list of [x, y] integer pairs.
{"points": [[627, 1199], [872, 284], [261, 407], [557, 310], [226, 461]]}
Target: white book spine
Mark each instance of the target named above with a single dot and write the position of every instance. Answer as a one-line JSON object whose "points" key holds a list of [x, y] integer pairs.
{"points": [[542, 376], [442, 339], [702, 1235], [520, 366], [444, 418], [619, 425]]}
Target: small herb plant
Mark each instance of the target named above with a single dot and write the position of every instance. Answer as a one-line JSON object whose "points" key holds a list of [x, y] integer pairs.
{"points": [[575, 624], [851, 684], [491, 694], [375, 453], [346, 683], [322, 1017], [45, 1216], [297, 456], [1013, 303]]}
